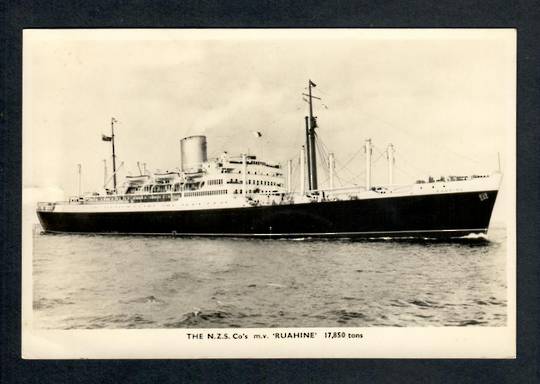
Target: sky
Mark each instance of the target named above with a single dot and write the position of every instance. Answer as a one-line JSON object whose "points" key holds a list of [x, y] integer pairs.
{"points": [[445, 99]]}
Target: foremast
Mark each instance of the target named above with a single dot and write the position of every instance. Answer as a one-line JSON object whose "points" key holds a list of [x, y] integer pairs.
{"points": [[311, 151]]}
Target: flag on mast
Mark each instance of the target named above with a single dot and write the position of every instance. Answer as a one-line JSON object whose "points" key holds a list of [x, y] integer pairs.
{"points": [[312, 83], [106, 138]]}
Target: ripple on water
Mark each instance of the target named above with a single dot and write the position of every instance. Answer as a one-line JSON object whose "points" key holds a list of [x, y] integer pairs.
{"points": [[200, 318], [110, 321], [138, 282], [46, 303], [143, 300], [343, 316]]}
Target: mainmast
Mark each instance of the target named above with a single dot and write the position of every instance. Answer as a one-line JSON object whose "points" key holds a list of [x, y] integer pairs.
{"points": [[111, 139], [310, 140], [113, 120], [308, 152]]}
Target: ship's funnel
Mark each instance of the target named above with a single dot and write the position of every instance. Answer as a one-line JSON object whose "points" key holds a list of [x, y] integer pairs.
{"points": [[193, 153]]}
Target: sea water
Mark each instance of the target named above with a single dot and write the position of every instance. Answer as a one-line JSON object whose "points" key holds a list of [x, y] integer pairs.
{"points": [[91, 281]]}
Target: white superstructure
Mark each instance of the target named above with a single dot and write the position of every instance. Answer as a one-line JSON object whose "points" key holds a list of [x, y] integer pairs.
{"points": [[243, 181]]}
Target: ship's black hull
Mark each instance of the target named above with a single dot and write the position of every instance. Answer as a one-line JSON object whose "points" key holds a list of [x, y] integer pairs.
{"points": [[437, 216]]}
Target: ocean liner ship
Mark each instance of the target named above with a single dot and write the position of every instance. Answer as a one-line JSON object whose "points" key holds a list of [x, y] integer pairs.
{"points": [[243, 196]]}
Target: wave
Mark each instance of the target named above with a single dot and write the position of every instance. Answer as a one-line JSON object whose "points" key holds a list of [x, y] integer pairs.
{"points": [[275, 285], [343, 315], [143, 300], [179, 276], [474, 236], [423, 303], [45, 303], [399, 303], [109, 321], [199, 317], [465, 323], [490, 301]]}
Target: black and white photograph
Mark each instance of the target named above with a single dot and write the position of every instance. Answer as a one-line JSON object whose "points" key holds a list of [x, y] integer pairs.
{"points": [[269, 193]]}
